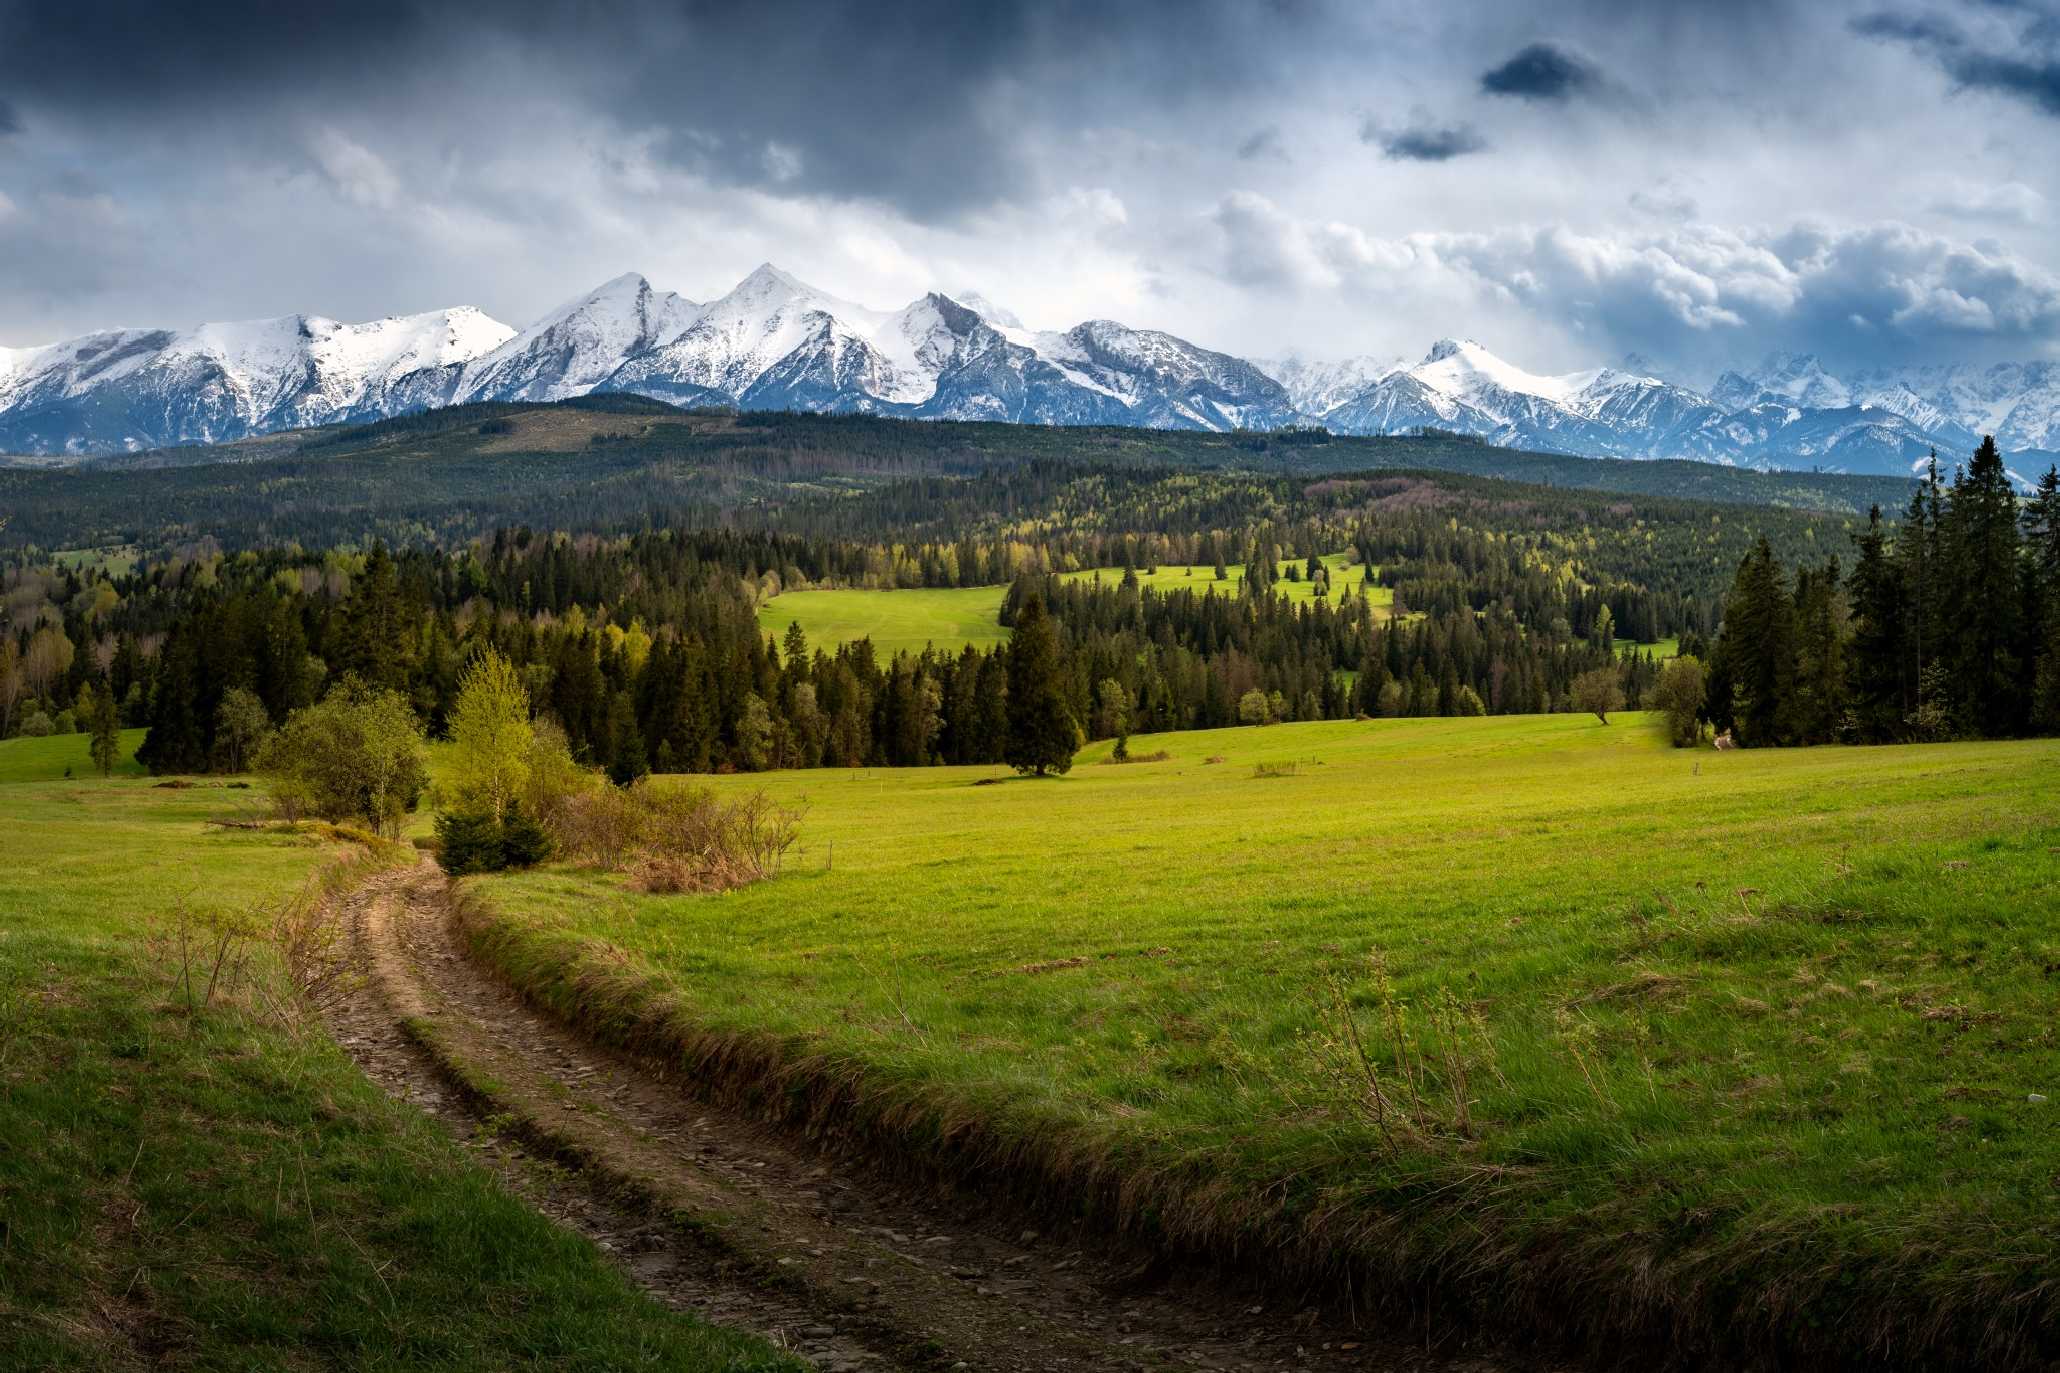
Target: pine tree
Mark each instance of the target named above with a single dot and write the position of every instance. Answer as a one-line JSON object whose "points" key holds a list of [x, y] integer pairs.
{"points": [[1979, 550], [1916, 553], [2042, 534], [1818, 711], [1875, 682], [104, 721], [1042, 734], [1756, 651]]}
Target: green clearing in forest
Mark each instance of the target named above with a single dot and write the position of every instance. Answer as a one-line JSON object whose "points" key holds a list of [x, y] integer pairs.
{"points": [[896, 621], [1785, 1012], [950, 618]]}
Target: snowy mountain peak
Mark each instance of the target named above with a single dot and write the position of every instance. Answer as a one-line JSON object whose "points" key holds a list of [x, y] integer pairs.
{"points": [[776, 342], [767, 282], [985, 309]]}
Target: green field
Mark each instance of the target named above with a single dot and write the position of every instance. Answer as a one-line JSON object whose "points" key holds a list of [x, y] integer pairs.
{"points": [[45, 759], [1662, 649], [950, 618], [1345, 579], [1746, 1040], [224, 1189], [896, 621]]}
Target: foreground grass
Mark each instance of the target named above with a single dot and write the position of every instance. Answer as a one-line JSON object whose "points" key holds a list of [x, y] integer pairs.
{"points": [[222, 1190], [1757, 1048]]}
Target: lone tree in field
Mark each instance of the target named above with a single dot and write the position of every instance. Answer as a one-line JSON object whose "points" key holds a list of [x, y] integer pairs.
{"points": [[1680, 693], [104, 722], [1598, 690], [491, 736], [1042, 734]]}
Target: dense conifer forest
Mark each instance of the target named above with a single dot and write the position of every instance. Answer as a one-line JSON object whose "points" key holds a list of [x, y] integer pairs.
{"points": [[1497, 598]]}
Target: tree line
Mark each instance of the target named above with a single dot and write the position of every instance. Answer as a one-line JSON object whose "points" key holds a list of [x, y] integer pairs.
{"points": [[1946, 626]]}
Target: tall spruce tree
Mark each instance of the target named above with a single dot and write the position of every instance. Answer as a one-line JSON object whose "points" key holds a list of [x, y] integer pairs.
{"points": [[105, 725], [1756, 651], [1916, 553], [1978, 545], [2042, 534], [1042, 734], [1874, 667]]}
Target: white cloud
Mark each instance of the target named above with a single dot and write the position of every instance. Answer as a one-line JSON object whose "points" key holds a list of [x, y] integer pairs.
{"points": [[1688, 292], [358, 173], [2011, 202]]}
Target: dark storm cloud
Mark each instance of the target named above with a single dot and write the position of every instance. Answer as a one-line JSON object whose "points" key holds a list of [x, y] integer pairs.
{"points": [[1423, 140], [1264, 145], [1543, 71], [2029, 70], [922, 106]]}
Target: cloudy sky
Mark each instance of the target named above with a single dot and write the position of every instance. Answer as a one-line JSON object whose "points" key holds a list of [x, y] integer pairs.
{"points": [[1566, 181]]}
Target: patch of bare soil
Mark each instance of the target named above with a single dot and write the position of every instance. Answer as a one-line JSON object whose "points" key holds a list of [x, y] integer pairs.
{"points": [[751, 1228]]}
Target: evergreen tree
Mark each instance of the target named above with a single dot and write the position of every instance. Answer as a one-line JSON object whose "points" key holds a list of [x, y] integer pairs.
{"points": [[1756, 651], [1042, 735], [2042, 537], [1875, 681], [1916, 551], [1979, 548], [104, 722]]}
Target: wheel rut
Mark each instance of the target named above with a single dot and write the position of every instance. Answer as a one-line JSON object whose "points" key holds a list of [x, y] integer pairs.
{"points": [[722, 1215]]}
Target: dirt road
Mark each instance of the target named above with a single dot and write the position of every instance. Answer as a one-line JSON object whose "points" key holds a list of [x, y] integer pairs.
{"points": [[751, 1228]]}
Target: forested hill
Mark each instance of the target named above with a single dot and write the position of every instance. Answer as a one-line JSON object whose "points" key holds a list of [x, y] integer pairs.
{"points": [[616, 462]]}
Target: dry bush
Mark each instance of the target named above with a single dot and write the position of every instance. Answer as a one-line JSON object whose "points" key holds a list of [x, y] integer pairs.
{"points": [[307, 933], [676, 839], [283, 958], [208, 951]]}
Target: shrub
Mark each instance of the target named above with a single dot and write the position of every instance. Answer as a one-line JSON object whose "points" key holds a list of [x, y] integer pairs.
{"points": [[674, 839], [472, 840], [357, 754], [468, 841], [1253, 709], [36, 725], [524, 841], [65, 723]]}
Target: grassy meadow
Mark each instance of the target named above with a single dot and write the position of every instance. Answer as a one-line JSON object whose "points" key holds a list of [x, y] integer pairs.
{"points": [[896, 621], [952, 617], [1535, 1010], [1345, 579], [222, 1188]]}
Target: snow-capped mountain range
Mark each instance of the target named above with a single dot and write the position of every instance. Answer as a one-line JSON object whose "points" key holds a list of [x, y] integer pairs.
{"points": [[777, 343]]}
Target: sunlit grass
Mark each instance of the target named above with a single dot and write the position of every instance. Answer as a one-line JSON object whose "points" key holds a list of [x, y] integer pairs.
{"points": [[1766, 1007]]}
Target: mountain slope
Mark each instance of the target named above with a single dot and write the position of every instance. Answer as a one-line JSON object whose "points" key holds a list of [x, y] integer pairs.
{"points": [[774, 342]]}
